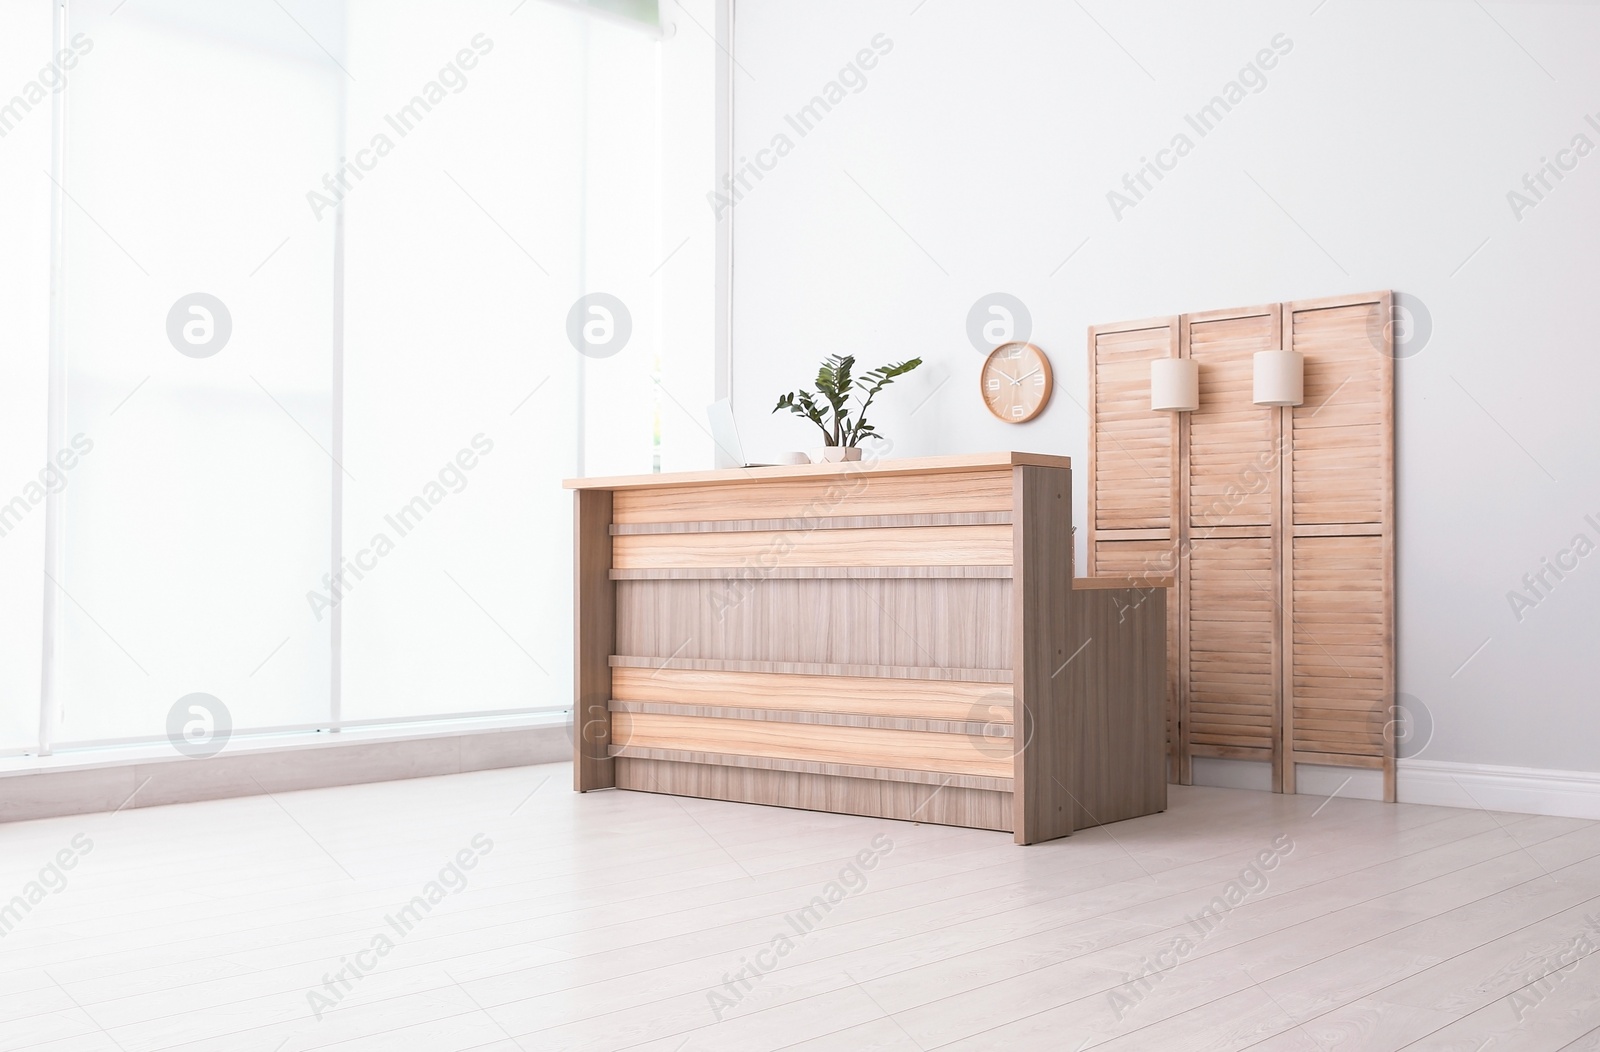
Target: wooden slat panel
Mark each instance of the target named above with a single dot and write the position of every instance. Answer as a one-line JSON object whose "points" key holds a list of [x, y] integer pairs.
{"points": [[833, 522], [906, 801], [1133, 559], [1231, 752], [861, 695], [1142, 582], [1338, 658], [1131, 448], [826, 497], [893, 546], [948, 624], [1342, 437], [1339, 474], [850, 573], [987, 728], [1336, 760], [1232, 442], [1161, 534], [1339, 529], [871, 747], [1344, 367], [815, 668], [1231, 694], [837, 770]]}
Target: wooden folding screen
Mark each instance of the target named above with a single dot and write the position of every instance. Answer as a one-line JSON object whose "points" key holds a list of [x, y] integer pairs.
{"points": [[1278, 524]]}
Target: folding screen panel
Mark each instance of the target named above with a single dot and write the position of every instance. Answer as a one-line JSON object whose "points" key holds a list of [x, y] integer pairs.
{"points": [[1227, 483], [1338, 527]]}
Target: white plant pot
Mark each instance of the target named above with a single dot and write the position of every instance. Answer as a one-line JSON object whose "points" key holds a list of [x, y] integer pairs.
{"points": [[835, 454]]}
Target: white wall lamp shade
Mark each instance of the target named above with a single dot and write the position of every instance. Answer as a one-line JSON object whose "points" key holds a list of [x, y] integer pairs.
{"points": [[1280, 378], [1174, 385]]}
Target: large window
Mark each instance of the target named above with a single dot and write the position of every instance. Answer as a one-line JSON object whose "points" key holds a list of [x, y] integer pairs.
{"points": [[307, 387]]}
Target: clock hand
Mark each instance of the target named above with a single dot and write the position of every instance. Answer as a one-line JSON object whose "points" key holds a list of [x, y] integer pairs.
{"points": [[1024, 376]]}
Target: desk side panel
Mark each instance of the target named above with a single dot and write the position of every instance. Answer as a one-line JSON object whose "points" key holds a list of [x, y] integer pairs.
{"points": [[1148, 560], [1041, 579], [594, 639], [1117, 683]]}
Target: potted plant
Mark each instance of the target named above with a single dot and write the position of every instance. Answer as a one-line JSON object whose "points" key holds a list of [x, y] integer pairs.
{"points": [[830, 409]]}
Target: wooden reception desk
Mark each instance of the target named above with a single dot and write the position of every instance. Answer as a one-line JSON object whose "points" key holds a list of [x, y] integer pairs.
{"points": [[903, 639]]}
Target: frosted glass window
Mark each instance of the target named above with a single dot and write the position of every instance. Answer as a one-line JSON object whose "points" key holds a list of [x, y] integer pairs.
{"points": [[26, 59], [198, 330], [464, 255], [309, 385]]}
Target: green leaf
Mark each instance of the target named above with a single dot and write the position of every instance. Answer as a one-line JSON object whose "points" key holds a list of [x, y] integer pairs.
{"points": [[871, 383], [804, 404], [836, 383]]}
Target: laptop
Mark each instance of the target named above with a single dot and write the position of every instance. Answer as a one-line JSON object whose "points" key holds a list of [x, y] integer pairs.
{"points": [[725, 433]]}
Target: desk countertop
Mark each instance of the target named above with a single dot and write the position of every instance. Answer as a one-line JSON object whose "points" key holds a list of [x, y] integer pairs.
{"points": [[904, 466]]}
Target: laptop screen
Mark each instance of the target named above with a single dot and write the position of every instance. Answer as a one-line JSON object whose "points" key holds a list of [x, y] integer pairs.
{"points": [[725, 433]]}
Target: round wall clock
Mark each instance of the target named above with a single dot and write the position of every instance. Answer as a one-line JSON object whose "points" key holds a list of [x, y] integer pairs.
{"points": [[1016, 382]]}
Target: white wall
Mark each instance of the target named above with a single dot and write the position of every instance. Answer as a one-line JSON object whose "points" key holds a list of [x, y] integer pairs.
{"points": [[1379, 154]]}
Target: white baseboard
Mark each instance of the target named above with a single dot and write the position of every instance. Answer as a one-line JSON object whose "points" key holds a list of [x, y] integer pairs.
{"points": [[254, 769], [1347, 783], [1232, 774], [1524, 790]]}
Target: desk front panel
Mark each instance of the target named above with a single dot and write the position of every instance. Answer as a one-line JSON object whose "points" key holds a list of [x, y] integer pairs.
{"points": [[842, 643]]}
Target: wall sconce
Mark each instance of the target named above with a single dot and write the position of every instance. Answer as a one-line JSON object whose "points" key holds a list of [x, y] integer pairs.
{"points": [[1174, 385], [1280, 378]]}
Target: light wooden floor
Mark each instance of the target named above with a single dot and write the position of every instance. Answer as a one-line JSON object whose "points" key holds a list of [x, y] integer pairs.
{"points": [[605, 921]]}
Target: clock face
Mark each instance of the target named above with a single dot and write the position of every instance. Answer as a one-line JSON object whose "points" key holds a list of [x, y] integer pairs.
{"points": [[1016, 382]]}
